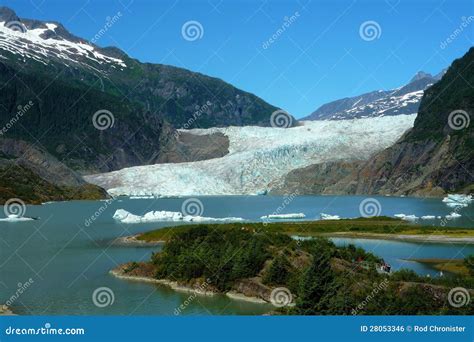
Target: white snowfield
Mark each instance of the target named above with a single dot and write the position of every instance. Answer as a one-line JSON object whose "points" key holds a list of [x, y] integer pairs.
{"points": [[167, 216], [32, 44], [259, 158]]}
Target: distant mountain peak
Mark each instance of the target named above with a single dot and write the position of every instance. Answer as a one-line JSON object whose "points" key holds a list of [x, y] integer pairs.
{"points": [[420, 75], [403, 100]]}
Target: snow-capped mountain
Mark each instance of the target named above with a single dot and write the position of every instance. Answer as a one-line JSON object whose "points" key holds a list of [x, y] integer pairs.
{"points": [[401, 101], [259, 158], [47, 49], [48, 41]]}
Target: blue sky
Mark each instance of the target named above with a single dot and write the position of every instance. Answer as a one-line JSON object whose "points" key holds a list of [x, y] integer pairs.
{"points": [[319, 57]]}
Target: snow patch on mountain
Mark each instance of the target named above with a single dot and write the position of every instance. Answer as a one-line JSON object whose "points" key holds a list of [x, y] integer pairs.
{"points": [[259, 158], [41, 44]]}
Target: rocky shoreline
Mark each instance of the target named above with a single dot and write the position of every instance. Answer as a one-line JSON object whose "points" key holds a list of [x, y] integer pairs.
{"points": [[198, 289], [6, 311]]}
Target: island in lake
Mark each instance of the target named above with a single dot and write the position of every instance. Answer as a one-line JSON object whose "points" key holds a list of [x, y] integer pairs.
{"points": [[272, 263]]}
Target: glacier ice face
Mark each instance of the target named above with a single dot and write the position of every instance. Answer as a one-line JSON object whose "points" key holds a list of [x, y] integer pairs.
{"points": [[259, 157]]}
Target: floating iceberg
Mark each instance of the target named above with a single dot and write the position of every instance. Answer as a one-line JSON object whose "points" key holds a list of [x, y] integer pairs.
{"points": [[407, 217], [283, 216], [453, 215], [428, 217], [16, 218], [455, 200], [166, 216], [329, 217]]}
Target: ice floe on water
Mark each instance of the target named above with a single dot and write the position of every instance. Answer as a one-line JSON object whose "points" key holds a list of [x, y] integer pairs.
{"points": [[412, 218], [16, 218], [283, 216], [329, 217], [167, 216], [453, 215], [455, 200], [407, 217]]}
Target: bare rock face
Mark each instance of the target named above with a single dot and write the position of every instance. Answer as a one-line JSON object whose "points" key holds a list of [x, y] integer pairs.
{"points": [[40, 162], [34, 176], [186, 147], [317, 179]]}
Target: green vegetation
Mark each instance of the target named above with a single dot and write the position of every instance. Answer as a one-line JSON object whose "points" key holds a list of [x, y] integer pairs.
{"points": [[355, 227], [456, 266], [322, 278]]}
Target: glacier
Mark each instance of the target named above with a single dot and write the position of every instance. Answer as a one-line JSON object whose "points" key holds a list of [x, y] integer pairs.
{"points": [[258, 158]]}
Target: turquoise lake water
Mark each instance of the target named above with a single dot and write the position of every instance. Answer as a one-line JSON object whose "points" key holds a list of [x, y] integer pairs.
{"points": [[68, 259]]}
